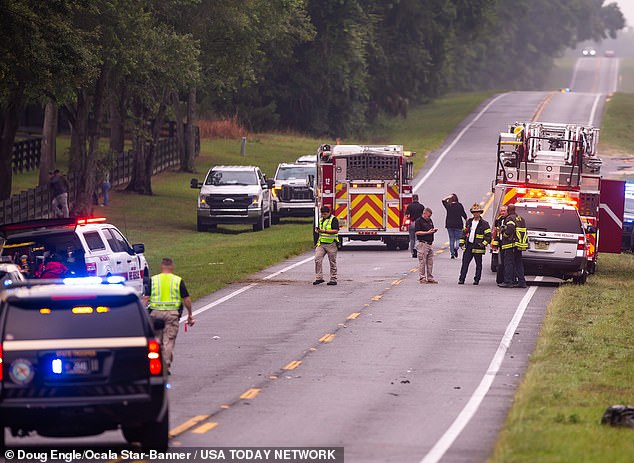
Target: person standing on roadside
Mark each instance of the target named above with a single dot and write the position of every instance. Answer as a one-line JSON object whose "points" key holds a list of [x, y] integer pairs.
{"points": [[328, 231], [168, 295], [514, 242], [425, 231], [454, 221], [105, 188], [413, 212], [498, 224], [58, 186], [475, 237]]}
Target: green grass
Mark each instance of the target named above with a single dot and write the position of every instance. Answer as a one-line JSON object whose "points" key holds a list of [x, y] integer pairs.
{"points": [[617, 128], [166, 222], [560, 74], [583, 363], [626, 75]]}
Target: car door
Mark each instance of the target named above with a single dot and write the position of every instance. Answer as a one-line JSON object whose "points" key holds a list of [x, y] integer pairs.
{"points": [[130, 261], [119, 256]]}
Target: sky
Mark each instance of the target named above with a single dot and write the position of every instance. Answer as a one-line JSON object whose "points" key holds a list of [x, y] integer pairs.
{"points": [[627, 8]]}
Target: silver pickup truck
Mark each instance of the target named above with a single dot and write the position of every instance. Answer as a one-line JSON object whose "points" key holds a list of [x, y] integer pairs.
{"points": [[234, 195]]}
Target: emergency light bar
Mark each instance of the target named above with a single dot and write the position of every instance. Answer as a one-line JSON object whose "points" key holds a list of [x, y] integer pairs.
{"points": [[90, 220]]}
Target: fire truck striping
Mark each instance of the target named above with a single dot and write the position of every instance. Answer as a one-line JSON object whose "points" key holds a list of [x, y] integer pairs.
{"points": [[456, 140], [461, 421], [366, 211]]}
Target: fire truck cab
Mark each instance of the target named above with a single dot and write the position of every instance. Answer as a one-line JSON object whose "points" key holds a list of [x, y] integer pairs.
{"points": [[551, 163], [368, 190]]}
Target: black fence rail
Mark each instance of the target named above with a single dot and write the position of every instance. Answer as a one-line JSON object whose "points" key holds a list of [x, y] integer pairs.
{"points": [[36, 203], [26, 154]]}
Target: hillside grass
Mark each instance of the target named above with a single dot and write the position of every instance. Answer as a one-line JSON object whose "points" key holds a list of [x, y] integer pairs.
{"points": [[583, 363], [166, 221], [626, 75], [617, 129]]}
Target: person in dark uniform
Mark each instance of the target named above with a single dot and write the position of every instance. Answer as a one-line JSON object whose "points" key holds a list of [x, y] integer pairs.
{"points": [[413, 212], [475, 237], [514, 242]]}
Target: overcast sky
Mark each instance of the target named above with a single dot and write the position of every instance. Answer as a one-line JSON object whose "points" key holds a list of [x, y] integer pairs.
{"points": [[627, 7]]}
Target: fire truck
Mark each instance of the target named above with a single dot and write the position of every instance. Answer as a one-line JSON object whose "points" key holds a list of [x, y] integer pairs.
{"points": [[558, 163], [368, 188]]}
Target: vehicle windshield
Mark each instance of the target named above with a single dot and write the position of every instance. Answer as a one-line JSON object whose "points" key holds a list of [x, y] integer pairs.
{"points": [[99, 317], [295, 172], [231, 177], [551, 219]]}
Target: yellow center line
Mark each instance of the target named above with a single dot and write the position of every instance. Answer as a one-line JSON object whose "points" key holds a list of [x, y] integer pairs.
{"points": [[180, 429], [397, 282], [377, 297], [225, 406], [353, 315], [542, 106], [205, 427], [327, 338], [251, 393], [413, 270], [440, 251], [292, 365], [488, 204]]}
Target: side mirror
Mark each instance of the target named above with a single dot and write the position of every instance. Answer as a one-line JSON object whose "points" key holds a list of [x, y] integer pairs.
{"points": [[270, 183], [158, 324], [138, 248], [194, 183]]}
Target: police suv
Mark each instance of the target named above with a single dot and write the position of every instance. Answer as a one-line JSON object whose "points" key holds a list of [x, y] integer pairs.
{"points": [[78, 359], [86, 247]]}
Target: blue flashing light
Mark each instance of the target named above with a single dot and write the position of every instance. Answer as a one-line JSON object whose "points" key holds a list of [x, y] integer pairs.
{"points": [[7, 282], [168, 386], [115, 279], [56, 366], [82, 281]]}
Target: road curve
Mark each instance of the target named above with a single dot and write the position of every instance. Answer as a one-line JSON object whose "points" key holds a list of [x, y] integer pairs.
{"points": [[387, 368]]}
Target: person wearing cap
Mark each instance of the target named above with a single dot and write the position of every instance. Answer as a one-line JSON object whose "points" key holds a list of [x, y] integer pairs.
{"points": [[425, 231], [328, 237], [475, 237]]}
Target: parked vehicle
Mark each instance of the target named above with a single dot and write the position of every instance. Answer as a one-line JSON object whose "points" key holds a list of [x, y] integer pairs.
{"points": [[79, 359], [85, 247], [234, 195], [293, 193]]}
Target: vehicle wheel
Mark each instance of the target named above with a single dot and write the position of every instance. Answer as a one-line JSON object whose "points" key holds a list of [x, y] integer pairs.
{"points": [[2, 444], [132, 434], [269, 220], [260, 224], [213, 227], [494, 263], [391, 244], [200, 226], [403, 245], [275, 219], [155, 436]]}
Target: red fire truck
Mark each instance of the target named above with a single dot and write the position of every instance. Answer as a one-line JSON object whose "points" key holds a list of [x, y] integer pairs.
{"points": [[558, 163], [368, 189]]}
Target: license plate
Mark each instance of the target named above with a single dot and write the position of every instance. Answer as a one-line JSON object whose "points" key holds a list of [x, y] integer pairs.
{"points": [[78, 366], [541, 245]]}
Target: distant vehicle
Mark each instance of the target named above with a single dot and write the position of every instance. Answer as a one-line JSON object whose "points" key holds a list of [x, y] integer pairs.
{"points": [[588, 51], [234, 195], [310, 158], [86, 247], [609, 53], [79, 359], [293, 192]]}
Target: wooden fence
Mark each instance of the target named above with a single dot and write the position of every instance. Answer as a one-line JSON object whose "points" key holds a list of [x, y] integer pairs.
{"points": [[36, 203], [26, 154]]}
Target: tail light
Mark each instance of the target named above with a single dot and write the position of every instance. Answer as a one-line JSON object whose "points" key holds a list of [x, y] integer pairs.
{"points": [[91, 268], [581, 243], [154, 355]]}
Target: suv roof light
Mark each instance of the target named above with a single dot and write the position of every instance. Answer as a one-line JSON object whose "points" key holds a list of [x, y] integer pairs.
{"points": [[110, 280], [89, 220]]}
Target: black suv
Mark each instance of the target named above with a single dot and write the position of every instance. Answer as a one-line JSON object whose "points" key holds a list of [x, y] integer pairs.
{"points": [[78, 359]]}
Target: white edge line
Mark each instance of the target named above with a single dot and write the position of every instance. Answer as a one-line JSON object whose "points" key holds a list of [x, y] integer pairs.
{"points": [[456, 140], [616, 75], [217, 302], [594, 108], [611, 213], [469, 410], [574, 74]]}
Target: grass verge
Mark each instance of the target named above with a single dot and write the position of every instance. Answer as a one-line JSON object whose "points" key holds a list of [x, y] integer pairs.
{"points": [[583, 363], [166, 222], [617, 128], [626, 75]]}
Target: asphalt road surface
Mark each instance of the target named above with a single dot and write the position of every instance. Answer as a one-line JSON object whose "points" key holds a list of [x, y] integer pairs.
{"points": [[387, 368]]}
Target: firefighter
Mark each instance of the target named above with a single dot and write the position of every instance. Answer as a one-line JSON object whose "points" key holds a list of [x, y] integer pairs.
{"points": [[168, 295], [514, 242], [499, 222], [475, 237], [328, 231]]}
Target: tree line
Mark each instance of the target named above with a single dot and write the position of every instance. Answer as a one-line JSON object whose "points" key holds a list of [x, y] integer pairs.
{"points": [[326, 67]]}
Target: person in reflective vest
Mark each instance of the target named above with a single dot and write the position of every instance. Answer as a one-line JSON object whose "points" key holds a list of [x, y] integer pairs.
{"points": [[495, 244], [514, 241], [328, 237], [476, 235], [168, 295]]}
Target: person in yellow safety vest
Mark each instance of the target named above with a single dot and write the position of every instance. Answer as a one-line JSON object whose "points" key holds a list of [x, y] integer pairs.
{"points": [[476, 235], [514, 241], [328, 231], [168, 295]]}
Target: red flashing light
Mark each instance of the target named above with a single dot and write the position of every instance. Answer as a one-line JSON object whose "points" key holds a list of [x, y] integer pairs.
{"points": [[154, 355], [581, 244], [90, 220]]}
